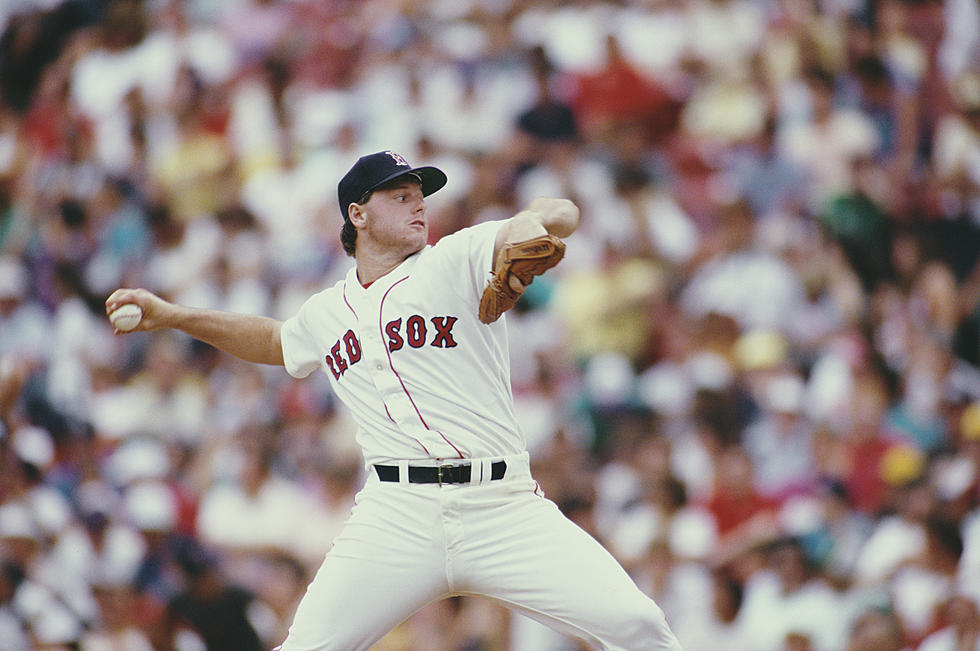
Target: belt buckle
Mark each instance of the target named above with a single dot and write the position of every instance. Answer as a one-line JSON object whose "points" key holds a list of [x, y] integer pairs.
{"points": [[441, 468]]}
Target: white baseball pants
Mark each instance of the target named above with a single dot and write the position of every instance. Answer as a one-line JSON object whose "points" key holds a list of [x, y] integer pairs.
{"points": [[407, 545]]}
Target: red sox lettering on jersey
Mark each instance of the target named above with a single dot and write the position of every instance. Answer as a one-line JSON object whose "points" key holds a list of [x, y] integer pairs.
{"points": [[347, 351]]}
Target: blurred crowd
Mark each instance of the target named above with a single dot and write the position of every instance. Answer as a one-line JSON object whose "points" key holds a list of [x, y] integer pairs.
{"points": [[755, 377]]}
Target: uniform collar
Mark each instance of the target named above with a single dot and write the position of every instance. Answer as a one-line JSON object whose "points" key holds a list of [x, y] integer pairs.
{"points": [[355, 288]]}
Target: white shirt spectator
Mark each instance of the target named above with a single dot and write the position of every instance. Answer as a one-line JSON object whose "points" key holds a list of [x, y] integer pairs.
{"points": [[757, 289], [893, 541], [768, 614], [280, 515]]}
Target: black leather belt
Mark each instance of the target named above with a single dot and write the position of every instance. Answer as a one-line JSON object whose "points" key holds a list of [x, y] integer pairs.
{"points": [[444, 474]]}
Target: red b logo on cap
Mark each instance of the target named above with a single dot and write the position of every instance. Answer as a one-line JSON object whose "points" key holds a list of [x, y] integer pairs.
{"points": [[397, 158]]}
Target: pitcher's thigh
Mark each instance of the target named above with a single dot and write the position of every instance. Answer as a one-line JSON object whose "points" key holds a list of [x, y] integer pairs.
{"points": [[545, 565], [384, 565]]}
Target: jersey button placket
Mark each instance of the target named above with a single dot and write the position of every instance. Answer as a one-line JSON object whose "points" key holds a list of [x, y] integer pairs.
{"points": [[374, 352], [383, 377]]}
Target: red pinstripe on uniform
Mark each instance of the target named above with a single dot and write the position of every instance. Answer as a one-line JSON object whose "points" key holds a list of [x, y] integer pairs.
{"points": [[400, 381]]}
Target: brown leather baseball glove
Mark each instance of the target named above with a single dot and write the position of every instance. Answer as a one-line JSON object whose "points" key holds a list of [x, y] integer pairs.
{"points": [[516, 266]]}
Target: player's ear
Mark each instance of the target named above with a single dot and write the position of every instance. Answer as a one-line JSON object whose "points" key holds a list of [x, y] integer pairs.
{"points": [[356, 214]]}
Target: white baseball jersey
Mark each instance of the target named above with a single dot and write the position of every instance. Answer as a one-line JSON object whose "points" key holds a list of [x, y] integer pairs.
{"points": [[422, 376], [426, 381]]}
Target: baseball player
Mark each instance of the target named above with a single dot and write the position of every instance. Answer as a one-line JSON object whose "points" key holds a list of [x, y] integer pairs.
{"points": [[412, 343]]}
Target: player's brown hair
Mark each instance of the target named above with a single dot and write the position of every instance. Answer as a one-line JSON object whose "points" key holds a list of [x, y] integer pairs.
{"points": [[348, 234], [348, 237]]}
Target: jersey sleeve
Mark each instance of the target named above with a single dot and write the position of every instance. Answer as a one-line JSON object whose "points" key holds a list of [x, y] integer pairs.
{"points": [[300, 352], [467, 255]]}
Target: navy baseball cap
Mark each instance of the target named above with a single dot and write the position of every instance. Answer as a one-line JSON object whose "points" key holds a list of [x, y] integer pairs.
{"points": [[374, 170]]}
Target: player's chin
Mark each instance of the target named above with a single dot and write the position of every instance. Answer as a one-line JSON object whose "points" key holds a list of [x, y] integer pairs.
{"points": [[418, 232], [412, 241]]}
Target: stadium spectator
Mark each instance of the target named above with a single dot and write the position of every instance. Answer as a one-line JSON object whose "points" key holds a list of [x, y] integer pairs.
{"points": [[755, 376]]}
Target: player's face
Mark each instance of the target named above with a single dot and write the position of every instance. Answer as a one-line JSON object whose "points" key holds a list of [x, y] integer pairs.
{"points": [[396, 217]]}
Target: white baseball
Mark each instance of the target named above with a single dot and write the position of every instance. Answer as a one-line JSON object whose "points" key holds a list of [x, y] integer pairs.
{"points": [[126, 317]]}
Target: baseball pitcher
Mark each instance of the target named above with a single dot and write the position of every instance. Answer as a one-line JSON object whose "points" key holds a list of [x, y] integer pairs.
{"points": [[413, 343]]}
